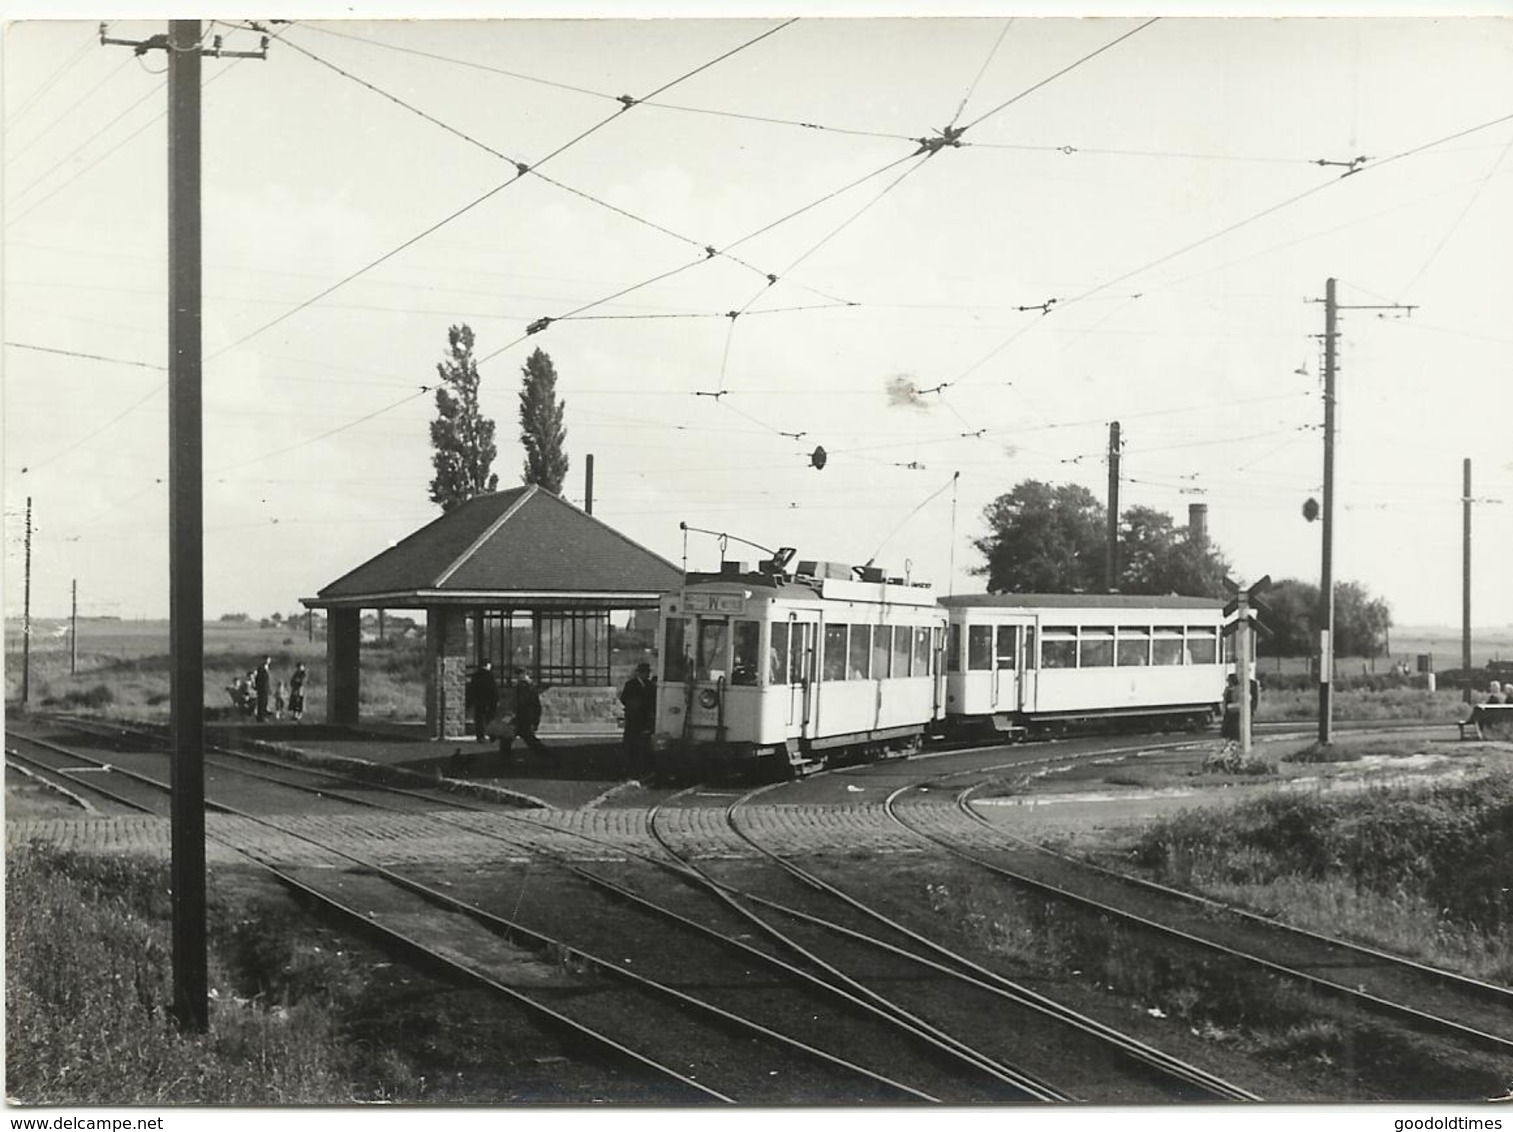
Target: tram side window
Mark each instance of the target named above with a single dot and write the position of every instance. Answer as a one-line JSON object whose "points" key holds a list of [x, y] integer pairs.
{"points": [[1058, 647], [882, 644], [1166, 645], [1096, 649], [921, 651], [861, 652], [1008, 646], [900, 651], [953, 648], [835, 653], [714, 649], [746, 647], [979, 647], [777, 655], [1134, 647], [1202, 646], [675, 650]]}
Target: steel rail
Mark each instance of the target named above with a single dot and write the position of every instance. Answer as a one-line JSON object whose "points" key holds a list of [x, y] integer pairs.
{"points": [[979, 975], [503, 926], [1492, 991], [1387, 1006], [1028, 1085]]}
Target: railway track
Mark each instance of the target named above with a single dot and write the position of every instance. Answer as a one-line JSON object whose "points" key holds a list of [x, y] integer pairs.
{"points": [[953, 1070], [1472, 1013], [834, 950], [722, 1055]]}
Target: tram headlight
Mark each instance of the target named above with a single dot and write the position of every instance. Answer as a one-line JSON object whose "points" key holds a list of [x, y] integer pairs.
{"points": [[708, 698]]}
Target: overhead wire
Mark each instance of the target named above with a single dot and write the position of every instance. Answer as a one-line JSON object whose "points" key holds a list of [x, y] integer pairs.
{"points": [[46, 131], [48, 83], [1459, 219], [606, 96], [1029, 90], [492, 192]]}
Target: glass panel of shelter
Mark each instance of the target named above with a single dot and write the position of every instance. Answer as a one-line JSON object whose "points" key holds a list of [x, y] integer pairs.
{"points": [[569, 648]]}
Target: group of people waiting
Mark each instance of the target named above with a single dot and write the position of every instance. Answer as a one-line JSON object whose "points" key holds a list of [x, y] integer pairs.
{"points": [[513, 711], [251, 694]]}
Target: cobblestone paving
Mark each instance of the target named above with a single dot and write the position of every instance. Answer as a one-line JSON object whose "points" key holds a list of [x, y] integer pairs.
{"points": [[477, 838]]}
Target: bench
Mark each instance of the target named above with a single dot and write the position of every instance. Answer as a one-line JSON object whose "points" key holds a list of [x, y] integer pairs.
{"points": [[1498, 716]]}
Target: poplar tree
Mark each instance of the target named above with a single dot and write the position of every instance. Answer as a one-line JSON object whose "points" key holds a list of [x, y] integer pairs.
{"points": [[462, 438], [542, 432]]}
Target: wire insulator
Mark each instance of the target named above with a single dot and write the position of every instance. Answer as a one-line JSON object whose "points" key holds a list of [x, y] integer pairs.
{"points": [[539, 325], [627, 101], [522, 168]]}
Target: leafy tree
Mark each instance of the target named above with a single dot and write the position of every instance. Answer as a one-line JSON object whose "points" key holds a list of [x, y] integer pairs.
{"points": [[542, 432], [1361, 622], [1043, 539], [1053, 539], [462, 437], [1156, 557]]}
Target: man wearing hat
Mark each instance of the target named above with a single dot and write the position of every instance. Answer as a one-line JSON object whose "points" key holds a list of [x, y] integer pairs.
{"points": [[640, 699]]}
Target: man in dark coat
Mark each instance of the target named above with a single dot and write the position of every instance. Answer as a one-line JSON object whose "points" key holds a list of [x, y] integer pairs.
{"points": [[640, 699], [262, 682], [527, 717], [483, 698]]}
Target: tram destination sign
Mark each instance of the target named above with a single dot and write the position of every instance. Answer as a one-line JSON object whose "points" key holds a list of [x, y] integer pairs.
{"points": [[714, 603]]}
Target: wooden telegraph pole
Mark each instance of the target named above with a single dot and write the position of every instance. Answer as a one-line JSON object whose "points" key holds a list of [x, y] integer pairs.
{"points": [[185, 45], [73, 632], [1326, 572]]}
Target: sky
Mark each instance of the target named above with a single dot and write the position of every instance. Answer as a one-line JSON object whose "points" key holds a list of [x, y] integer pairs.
{"points": [[1137, 226]]}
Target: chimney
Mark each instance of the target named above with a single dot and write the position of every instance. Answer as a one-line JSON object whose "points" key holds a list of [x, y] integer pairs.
{"points": [[1197, 523], [588, 483]]}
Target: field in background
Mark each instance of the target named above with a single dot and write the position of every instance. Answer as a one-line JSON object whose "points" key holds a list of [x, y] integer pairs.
{"points": [[124, 668]]}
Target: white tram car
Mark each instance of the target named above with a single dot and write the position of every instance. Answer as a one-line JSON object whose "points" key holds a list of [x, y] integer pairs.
{"points": [[770, 673], [1019, 662]]}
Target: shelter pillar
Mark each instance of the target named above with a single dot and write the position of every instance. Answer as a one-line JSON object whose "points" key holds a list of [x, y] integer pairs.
{"points": [[343, 654], [446, 672]]}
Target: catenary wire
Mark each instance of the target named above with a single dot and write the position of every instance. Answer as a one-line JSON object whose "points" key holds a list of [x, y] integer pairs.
{"points": [[525, 167], [49, 82], [488, 195]]}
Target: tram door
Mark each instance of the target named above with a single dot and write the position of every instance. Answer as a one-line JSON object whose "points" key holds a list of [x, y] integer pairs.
{"points": [[1010, 645], [793, 665]]}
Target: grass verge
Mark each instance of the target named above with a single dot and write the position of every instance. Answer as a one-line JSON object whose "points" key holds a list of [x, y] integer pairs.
{"points": [[298, 1014]]}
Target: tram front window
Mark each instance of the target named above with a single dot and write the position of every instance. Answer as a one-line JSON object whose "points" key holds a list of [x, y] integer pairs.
{"points": [[745, 648], [712, 658], [675, 650]]}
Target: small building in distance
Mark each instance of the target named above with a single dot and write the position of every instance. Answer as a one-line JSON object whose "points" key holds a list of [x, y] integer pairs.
{"points": [[520, 577]]}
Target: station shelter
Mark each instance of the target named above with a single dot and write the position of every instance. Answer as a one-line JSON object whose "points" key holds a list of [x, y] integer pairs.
{"points": [[520, 577]]}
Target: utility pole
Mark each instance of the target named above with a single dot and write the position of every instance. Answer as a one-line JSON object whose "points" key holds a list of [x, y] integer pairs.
{"points": [[26, 614], [1111, 565], [184, 46], [588, 483], [73, 633], [1326, 572], [1465, 581]]}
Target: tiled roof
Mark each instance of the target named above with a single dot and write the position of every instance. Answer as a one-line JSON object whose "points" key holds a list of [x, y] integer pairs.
{"points": [[521, 540]]}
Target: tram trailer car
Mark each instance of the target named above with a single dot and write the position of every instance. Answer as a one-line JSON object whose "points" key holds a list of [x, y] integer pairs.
{"points": [[771, 675], [1022, 663]]}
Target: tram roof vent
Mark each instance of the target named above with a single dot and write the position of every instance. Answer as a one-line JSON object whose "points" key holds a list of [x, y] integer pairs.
{"points": [[870, 573], [823, 570], [732, 569]]}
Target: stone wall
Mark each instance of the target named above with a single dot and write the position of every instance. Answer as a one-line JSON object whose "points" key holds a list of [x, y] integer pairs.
{"points": [[446, 673]]}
